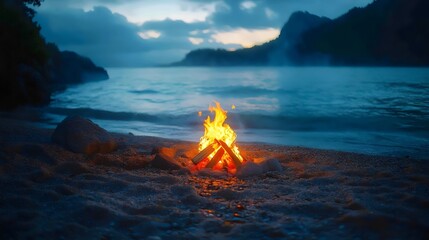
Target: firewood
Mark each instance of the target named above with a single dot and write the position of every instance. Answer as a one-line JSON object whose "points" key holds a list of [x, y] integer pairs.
{"points": [[203, 154], [235, 159], [216, 158]]}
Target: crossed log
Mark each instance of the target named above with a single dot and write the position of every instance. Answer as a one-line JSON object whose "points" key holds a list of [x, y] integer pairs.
{"points": [[218, 155]]}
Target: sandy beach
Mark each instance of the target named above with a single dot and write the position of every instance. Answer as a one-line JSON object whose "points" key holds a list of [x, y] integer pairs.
{"points": [[48, 192], [222, 119]]}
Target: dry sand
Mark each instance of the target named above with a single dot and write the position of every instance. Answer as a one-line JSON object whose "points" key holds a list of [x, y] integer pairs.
{"points": [[48, 192]]}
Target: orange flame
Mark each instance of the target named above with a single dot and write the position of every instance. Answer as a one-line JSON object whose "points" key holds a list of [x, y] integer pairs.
{"points": [[215, 130]]}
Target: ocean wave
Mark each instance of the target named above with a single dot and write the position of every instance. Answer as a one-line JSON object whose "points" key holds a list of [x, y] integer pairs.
{"points": [[103, 114], [241, 91], [258, 121], [145, 91]]}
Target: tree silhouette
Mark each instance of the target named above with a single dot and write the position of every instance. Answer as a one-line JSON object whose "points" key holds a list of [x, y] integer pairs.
{"points": [[23, 55]]}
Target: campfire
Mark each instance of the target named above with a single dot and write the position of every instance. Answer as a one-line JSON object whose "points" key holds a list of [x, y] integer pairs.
{"points": [[217, 146]]}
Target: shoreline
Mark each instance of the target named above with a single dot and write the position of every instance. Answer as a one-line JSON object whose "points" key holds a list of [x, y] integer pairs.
{"points": [[50, 192], [387, 144]]}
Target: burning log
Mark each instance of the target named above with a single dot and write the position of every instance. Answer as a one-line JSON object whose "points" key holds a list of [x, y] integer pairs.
{"points": [[216, 158], [203, 154], [235, 159]]}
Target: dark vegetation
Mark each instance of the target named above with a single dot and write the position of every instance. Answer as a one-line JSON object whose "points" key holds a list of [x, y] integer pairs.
{"points": [[384, 33], [31, 69]]}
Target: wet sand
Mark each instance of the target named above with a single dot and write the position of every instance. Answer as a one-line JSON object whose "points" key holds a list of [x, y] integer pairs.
{"points": [[48, 192]]}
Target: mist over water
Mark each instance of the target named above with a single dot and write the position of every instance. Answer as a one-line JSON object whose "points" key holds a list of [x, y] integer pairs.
{"points": [[369, 110]]}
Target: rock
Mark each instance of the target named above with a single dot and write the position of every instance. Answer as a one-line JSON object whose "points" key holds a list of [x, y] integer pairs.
{"points": [[250, 169], [67, 68], [164, 162], [81, 135], [170, 152], [272, 165]]}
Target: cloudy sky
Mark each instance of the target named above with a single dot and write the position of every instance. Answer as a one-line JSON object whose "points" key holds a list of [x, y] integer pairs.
{"points": [[148, 32]]}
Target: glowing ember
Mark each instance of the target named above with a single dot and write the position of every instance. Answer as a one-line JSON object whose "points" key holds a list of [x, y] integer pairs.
{"points": [[217, 145]]}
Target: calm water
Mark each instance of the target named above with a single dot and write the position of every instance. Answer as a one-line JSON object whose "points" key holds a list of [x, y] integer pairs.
{"points": [[369, 110]]}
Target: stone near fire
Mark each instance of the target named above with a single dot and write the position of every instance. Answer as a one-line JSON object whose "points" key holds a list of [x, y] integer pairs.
{"points": [[81, 135], [251, 169], [272, 165], [164, 162], [170, 152]]}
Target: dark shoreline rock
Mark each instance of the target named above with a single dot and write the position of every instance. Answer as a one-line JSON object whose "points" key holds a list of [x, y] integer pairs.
{"points": [[67, 68], [30, 68]]}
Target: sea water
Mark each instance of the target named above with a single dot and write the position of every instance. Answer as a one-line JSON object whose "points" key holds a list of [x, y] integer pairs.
{"points": [[383, 111]]}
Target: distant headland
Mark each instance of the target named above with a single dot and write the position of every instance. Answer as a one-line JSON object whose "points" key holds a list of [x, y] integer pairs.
{"points": [[384, 33]]}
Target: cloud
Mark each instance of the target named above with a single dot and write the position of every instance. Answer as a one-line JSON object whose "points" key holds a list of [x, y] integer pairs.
{"points": [[271, 13], [247, 5], [246, 38], [174, 27], [146, 32], [109, 39], [244, 14], [149, 34], [140, 11], [196, 41], [71, 27], [180, 34], [98, 31]]}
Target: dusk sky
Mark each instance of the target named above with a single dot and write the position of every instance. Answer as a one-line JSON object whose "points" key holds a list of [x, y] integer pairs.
{"points": [[143, 32]]}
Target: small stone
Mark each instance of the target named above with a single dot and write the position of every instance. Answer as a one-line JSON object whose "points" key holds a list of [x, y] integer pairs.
{"points": [[170, 152], [272, 165], [164, 162], [250, 169], [240, 207]]}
